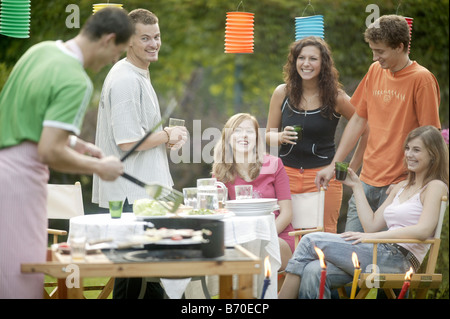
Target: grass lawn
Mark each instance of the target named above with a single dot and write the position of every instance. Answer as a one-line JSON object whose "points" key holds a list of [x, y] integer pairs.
{"points": [[92, 294]]}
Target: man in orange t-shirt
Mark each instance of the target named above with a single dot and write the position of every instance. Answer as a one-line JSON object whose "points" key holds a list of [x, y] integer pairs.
{"points": [[394, 97]]}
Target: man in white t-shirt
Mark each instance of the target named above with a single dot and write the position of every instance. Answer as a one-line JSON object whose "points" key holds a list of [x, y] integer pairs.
{"points": [[128, 109]]}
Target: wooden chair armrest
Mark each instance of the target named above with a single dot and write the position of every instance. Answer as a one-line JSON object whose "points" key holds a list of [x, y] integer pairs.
{"points": [[304, 231], [396, 241], [56, 232]]}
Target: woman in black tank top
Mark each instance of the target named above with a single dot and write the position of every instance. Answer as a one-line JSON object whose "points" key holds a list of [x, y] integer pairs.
{"points": [[313, 98]]}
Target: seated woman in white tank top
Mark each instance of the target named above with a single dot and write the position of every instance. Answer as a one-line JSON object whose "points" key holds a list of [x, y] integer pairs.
{"points": [[410, 211]]}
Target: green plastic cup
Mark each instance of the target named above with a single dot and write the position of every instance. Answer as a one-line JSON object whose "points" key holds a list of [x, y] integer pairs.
{"points": [[299, 130], [115, 208], [341, 170]]}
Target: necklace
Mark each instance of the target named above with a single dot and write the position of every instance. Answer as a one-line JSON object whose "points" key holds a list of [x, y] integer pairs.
{"points": [[308, 101], [407, 62]]}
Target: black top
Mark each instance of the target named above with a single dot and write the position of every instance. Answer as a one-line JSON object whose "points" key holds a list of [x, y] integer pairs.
{"points": [[316, 148]]}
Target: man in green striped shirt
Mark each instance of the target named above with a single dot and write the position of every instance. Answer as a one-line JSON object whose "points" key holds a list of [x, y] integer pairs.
{"points": [[42, 105]]}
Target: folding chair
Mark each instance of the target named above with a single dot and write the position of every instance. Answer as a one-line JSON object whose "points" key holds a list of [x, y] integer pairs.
{"points": [[64, 202], [307, 217], [308, 210], [420, 281]]}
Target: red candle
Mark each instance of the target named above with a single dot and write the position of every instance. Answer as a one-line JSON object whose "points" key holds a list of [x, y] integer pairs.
{"points": [[323, 277], [406, 284], [323, 274]]}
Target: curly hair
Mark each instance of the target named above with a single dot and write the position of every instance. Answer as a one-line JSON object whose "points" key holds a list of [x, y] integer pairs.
{"points": [[329, 84], [389, 29]]}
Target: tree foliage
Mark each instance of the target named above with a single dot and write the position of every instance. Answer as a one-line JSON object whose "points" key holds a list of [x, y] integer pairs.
{"points": [[210, 85]]}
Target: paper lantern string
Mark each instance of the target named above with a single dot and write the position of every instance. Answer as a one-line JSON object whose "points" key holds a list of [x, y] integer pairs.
{"points": [[240, 3], [309, 5]]}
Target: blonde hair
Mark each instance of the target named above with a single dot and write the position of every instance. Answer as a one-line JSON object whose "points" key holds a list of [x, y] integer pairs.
{"points": [[224, 166]]}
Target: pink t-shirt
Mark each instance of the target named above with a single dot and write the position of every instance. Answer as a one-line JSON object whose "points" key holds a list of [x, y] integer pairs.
{"points": [[272, 182]]}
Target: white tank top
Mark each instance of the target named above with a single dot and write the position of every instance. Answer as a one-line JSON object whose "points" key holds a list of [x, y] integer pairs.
{"points": [[407, 213]]}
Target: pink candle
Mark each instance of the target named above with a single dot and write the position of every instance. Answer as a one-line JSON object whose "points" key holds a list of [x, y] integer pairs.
{"points": [[323, 274], [406, 284]]}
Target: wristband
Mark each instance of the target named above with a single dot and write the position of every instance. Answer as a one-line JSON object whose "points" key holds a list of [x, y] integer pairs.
{"points": [[168, 136], [72, 141]]}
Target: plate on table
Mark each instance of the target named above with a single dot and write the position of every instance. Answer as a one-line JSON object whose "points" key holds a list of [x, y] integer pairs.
{"points": [[253, 206], [166, 236], [253, 212], [207, 213], [148, 217]]}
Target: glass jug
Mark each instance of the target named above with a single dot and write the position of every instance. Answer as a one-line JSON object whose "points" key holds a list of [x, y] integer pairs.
{"points": [[208, 194]]}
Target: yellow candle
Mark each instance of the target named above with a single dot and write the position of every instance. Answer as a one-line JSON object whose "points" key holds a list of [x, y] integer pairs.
{"points": [[356, 274], [355, 282]]}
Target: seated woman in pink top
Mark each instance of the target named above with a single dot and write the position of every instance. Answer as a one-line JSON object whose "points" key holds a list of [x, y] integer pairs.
{"points": [[410, 211], [240, 159]]}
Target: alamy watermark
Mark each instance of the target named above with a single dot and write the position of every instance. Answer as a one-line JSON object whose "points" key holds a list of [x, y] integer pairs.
{"points": [[73, 19]]}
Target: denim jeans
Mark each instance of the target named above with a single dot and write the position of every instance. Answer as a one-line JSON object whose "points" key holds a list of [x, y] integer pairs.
{"points": [[338, 259], [375, 196]]}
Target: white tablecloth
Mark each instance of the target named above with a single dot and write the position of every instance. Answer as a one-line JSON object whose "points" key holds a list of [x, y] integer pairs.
{"points": [[102, 226], [255, 233]]}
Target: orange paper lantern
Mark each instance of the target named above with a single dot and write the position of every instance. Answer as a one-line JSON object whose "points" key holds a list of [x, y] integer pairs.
{"points": [[239, 32]]}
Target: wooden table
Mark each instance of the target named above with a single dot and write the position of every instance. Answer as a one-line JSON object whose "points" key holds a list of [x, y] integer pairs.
{"points": [[257, 234], [236, 261]]}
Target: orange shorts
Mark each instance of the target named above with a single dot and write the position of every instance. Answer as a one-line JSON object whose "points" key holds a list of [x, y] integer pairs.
{"points": [[302, 181]]}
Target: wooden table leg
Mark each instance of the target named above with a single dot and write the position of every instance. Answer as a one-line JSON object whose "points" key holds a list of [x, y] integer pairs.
{"points": [[245, 287], [226, 287], [76, 292], [69, 293], [107, 289], [62, 289]]}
